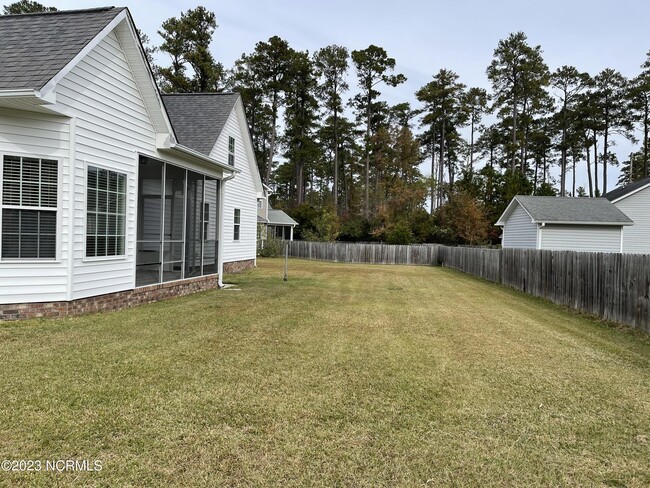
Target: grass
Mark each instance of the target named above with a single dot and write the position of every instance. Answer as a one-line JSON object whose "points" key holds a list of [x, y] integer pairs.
{"points": [[345, 375]]}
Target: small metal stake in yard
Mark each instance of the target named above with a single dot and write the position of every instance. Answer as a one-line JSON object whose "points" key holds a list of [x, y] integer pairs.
{"points": [[286, 262]]}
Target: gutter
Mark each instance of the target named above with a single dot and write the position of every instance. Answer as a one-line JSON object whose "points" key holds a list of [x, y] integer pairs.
{"points": [[30, 93], [565, 222], [222, 200], [23, 92], [191, 152]]}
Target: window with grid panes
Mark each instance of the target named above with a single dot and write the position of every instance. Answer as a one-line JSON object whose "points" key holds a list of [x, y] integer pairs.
{"points": [[237, 221], [29, 207], [105, 212], [231, 151]]}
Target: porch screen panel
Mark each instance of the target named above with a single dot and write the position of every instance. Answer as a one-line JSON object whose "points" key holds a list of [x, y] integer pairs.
{"points": [[194, 224], [174, 223], [149, 235], [210, 225]]}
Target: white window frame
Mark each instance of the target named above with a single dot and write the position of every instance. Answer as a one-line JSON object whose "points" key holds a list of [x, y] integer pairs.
{"points": [[231, 151], [236, 230], [117, 257], [57, 209]]}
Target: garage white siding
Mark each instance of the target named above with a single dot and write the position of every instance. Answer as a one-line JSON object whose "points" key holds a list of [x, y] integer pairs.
{"points": [[636, 238], [44, 136], [590, 238], [519, 230], [240, 193]]}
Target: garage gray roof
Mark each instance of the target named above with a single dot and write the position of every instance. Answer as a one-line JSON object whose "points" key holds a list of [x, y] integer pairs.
{"points": [[35, 47], [199, 118], [573, 210]]}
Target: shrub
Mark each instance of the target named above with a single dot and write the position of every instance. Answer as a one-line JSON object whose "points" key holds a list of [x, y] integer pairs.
{"points": [[270, 248]]}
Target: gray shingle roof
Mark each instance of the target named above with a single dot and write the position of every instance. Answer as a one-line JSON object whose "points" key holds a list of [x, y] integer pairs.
{"points": [[35, 47], [280, 218], [626, 190], [199, 118], [572, 210]]}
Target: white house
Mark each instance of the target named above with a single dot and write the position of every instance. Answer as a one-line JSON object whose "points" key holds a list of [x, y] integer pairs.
{"points": [[563, 223], [108, 197], [634, 201], [272, 223]]}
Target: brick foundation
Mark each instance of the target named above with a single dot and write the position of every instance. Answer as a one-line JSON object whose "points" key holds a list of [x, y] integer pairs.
{"points": [[110, 301], [238, 266]]}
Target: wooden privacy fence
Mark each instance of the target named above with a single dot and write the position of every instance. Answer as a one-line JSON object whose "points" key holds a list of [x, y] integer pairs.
{"points": [[344, 252], [611, 286]]}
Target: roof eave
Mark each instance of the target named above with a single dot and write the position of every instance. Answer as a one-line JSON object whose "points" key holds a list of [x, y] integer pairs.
{"points": [[581, 222], [29, 94], [270, 222], [184, 150], [629, 194]]}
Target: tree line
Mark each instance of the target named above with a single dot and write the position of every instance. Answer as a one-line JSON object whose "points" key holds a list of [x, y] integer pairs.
{"points": [[346, 164]]}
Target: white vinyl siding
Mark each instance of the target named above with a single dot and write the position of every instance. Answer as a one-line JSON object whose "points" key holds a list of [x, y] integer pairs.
{"points": [[112, 126], [590, 238], [42, 136], [636, 238], [240, 193], [519, 230]]}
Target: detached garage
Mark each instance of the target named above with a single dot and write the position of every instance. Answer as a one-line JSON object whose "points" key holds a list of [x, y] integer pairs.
{"points": [[563, 223]]}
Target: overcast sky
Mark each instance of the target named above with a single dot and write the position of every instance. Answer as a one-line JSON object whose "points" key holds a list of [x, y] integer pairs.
{"points": [[424, 36]]}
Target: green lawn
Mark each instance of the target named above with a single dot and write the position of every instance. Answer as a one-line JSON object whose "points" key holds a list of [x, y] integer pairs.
{"points": [[346, 375]]}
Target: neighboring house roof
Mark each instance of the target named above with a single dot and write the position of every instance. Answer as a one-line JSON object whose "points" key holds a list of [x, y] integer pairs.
{"points": [[568, 210], [35, 47], [262, 220], [278, 217], [627, 190], [199, 118]]}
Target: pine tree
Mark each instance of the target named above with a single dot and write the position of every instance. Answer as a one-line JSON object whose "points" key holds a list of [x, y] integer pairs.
{"points": [[301, 115], [26, 7], [568, 83], [442, 108], [187, 42], [271, 61], [610, 103], [331, 66], [519, 77], [639, 97], [474, 103], [372, 66]]}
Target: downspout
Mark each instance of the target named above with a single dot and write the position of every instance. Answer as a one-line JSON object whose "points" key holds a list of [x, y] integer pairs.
{"points": [[539, 235], [71, 204], [221, 225]]}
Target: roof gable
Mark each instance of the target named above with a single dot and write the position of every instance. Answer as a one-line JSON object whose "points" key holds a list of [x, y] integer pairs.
{"points": [[199, 118], [568, 210], [31, 61]]}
